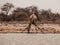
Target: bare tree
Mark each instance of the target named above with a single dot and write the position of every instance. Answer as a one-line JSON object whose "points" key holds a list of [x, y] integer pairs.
{"points": [[6, 7]]}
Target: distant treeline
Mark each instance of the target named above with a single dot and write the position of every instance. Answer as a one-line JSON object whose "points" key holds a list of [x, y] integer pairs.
{"points": [[22, 14]]}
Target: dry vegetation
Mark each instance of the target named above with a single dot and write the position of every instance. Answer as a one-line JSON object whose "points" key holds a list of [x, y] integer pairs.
{"points": [[19, 27], [48, 21]]}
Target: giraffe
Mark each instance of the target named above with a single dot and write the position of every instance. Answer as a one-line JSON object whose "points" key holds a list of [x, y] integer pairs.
{"points": [[33, 19]]}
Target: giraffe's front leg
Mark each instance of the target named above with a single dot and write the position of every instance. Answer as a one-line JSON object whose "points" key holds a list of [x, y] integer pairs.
{"points": [[36, 28]]}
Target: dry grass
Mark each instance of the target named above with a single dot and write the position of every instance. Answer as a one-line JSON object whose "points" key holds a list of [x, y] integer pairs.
{"points": [[19, 27]]}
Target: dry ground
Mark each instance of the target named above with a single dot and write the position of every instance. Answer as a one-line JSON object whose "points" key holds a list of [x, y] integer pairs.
{"points": [[29, 39], [19, 27]]}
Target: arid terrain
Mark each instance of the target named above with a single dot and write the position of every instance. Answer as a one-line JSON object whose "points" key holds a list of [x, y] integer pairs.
{"points": [[15, 27], [29, 39]]}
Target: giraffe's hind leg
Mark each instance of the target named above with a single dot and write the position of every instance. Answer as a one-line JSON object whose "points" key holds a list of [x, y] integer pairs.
{"points": [[36, 28], [42, 30]]}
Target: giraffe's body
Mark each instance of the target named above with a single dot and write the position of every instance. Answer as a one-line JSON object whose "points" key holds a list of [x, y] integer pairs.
{"points": [[33, 17]]}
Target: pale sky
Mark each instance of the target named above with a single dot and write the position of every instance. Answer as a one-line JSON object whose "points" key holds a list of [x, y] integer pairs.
{"points": [[41, 4]]}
